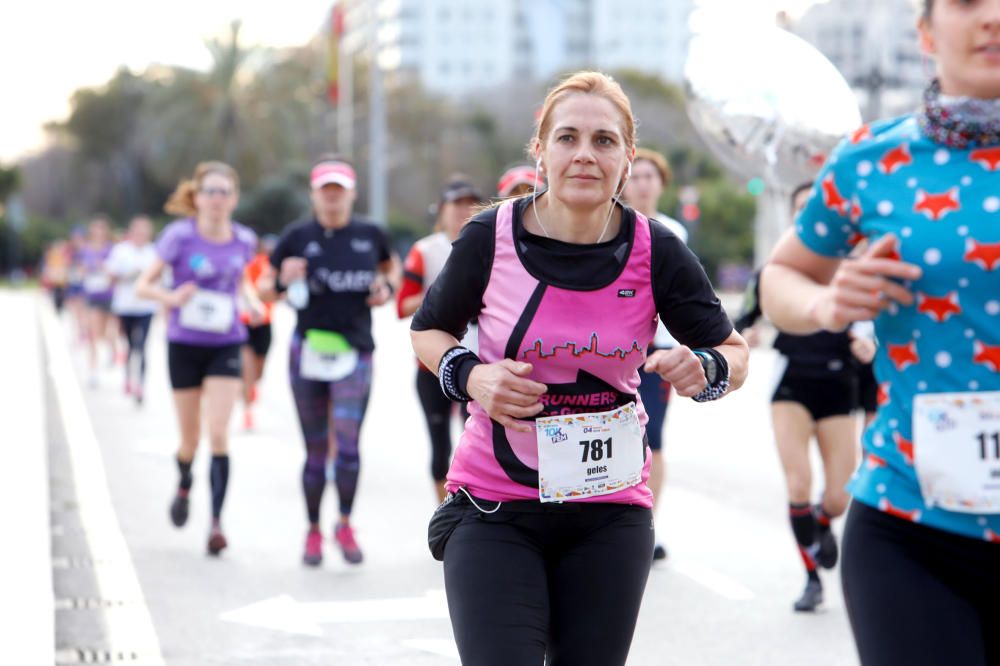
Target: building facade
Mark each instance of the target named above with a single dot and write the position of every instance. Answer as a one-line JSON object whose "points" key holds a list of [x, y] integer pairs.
{"points": [[874, 45], [456, 47]]}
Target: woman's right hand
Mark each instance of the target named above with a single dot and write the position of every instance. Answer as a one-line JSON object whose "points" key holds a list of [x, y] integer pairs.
{"points": [[182, 294], [505, 392], [292, 269], [863, 287]]}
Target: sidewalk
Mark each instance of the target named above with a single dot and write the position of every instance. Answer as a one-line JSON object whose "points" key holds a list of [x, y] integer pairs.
{"points": [[26, 564]]}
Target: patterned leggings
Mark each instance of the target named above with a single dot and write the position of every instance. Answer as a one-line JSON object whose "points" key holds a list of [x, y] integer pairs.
{"points": [[320, 404]]}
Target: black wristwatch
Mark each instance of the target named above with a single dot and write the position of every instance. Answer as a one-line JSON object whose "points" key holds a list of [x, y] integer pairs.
{"points": [[710, 366], [716, 373]]}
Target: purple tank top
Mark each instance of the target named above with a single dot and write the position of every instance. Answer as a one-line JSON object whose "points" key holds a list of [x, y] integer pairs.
{"points": [[213, 266], [586, 346], [96, 283]]}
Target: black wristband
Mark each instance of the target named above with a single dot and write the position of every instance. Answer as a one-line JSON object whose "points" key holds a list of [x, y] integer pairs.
{"points": [[463, 368], [452, 365]]}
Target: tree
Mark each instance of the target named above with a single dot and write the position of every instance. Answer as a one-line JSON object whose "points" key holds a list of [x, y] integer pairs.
{"points": [[10, 181], [724, 232]]}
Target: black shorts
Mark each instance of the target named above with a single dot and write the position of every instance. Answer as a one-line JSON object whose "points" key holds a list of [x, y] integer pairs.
{"points": [[822, 397], [259, 339], [102, 304], [867, 389], [190, 364]]}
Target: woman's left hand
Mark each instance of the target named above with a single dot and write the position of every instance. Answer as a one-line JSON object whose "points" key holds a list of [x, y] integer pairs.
{"points": [[380, 292], [681, 367]]}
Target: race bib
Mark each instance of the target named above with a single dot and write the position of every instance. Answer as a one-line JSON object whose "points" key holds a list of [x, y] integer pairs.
{"points": [[956, 450], [587, 455], [326, 356], [96, 283], [209, 311]]}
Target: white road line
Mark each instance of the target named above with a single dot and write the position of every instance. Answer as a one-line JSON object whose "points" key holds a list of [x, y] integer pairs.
{"points": [[25, 571], [132, 630]]}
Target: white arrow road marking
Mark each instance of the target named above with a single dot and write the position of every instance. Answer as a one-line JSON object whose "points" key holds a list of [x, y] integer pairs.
{"points": [[283, 613]]}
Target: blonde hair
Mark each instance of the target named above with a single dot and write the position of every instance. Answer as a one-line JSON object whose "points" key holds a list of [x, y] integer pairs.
{"points": [[658, 161], [181, 202], [591, 83]]}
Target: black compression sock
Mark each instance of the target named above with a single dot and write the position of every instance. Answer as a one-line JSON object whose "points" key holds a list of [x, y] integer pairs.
{"points": [[186, 479], [823, 519], [804, 528], [803, 524], [219, 477]]}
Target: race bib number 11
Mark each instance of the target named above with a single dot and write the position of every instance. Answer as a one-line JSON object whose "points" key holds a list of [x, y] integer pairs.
{"points": [[956, 450]]}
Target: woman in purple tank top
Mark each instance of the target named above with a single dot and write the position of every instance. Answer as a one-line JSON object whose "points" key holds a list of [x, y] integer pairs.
{"points": [[206, 252], [98, 289], [551, 530]]}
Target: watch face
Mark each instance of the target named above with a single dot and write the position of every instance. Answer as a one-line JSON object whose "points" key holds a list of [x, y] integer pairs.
{"points": [[711, 370]]}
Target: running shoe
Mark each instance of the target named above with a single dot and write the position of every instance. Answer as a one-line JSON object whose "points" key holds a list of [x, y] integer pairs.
{"points": [[344, 536], [314, 548], [128, 387], [659, 552], [828, 552], [248, 420], [216, 539], [137, 394], [179, 509], [811, 597]]}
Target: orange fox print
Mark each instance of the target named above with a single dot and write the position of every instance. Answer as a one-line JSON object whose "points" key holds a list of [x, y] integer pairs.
{"points": [[912, 515]]}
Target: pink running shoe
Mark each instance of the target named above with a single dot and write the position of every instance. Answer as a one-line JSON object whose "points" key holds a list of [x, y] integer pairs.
{"points": [[216, 540], [314, 548], [344, 536]]}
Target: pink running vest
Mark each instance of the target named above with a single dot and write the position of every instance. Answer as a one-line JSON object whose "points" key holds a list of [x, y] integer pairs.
{"points": [[586, 346]]}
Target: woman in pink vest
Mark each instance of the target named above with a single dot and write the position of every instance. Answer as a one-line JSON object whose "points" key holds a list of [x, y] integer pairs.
{"points": [[551, 529]]}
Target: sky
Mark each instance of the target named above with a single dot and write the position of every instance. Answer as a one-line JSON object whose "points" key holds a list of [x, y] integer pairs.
{"points": [[49, 48]]}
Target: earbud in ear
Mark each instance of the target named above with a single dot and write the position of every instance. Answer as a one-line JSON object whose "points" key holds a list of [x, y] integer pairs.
{"points": [[628, 170], [538, 165]]}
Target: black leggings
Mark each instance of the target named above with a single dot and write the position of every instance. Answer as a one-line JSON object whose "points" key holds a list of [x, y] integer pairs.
{"points": [[135, 328], [917, 595], [437, 412], [561, 584]]}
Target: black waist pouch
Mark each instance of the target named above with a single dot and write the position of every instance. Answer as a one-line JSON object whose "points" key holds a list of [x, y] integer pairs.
{"points": [[444, 521]]}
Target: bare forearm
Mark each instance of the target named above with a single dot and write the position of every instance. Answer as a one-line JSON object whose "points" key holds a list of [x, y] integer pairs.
{"points": [[737, 355], [410, 304], [153, 292], [431, 345], [790, 299]]}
